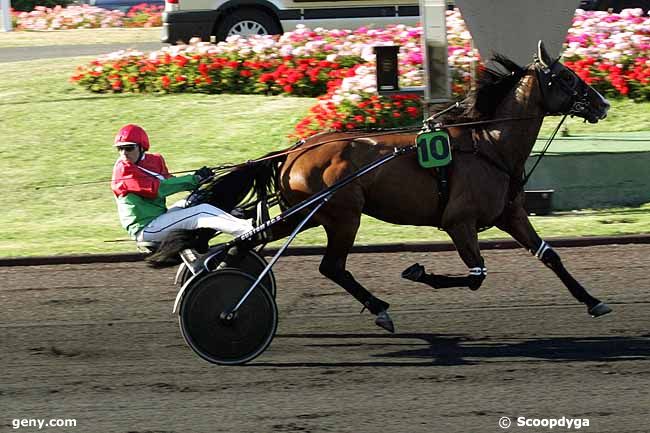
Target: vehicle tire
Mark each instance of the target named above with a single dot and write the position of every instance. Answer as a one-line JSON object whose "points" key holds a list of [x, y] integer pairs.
{"points": [[246, 22], [253, 264], [227, 342]]}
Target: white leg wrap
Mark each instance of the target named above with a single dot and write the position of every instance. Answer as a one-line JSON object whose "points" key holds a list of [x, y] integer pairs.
{"points": [[478, 271], [542, 249]]}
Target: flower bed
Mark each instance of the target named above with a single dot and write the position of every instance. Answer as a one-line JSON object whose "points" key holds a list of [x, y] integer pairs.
{"points": [[86, 17], [611, 52], [607, 50], [337, 65]]}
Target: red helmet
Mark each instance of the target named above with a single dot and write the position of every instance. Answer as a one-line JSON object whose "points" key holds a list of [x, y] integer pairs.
{"points": [[132, 134]]}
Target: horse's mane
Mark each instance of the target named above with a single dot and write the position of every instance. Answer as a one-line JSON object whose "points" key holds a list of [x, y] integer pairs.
{"points": [[493, 84]]}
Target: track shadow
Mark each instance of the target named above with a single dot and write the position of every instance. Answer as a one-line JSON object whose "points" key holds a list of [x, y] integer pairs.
{"points": [[441, 349]]}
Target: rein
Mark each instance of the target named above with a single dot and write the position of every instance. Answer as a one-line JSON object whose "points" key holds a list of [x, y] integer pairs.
{"points": [[295, 147], [395, 131], [543, 152], [389, 131], [484, 122]]}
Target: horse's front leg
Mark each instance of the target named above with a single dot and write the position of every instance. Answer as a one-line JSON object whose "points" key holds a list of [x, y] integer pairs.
{"points": [[465, 238], [515, 222]]}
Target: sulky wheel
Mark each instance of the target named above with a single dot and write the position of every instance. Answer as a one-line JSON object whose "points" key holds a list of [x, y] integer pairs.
{"points": [[215, 338], [252, 264]]}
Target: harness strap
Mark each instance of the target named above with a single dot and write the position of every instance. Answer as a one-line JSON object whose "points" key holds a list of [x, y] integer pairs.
{"points": [[546, 146], [152, 173]]}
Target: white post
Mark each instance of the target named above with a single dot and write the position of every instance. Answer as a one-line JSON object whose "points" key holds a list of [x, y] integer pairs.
{"points": [[437, 86], [5, 24]]}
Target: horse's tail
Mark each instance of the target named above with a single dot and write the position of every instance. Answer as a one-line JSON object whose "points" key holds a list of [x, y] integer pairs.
{"points": [[240, 186], [167, 254], [246, 184]]}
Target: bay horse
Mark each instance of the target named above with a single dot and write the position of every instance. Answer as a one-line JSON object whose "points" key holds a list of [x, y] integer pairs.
{"points": [[491, 135]]}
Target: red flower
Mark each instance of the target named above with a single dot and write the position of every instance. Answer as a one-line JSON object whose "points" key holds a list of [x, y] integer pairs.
{"points": [[165, 81], [181, 61], [412, 111]]}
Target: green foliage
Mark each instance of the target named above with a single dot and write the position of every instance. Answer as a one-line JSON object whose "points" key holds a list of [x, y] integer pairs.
{"points": [[29, 5]]}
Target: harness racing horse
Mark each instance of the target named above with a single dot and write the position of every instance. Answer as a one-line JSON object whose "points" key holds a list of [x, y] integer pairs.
{"points": [[491, 138]]}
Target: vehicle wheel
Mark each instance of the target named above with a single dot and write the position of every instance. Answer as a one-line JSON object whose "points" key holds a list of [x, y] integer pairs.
{"points": [[221, 341], [247, 22], [253, 264]]}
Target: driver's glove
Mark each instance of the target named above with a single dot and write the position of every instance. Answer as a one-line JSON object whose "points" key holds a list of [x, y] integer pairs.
{"points": [[203, 175]]}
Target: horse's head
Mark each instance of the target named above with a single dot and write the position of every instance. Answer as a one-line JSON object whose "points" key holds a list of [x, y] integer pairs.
{"points": [[563, 92]]}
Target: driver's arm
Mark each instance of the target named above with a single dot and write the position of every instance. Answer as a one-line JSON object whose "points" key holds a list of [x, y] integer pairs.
{"points": [[173, 185]]}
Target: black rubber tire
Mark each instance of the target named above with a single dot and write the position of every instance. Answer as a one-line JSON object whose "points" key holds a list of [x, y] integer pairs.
{"points": [[216, 340], [253, 264], [243, 18]]}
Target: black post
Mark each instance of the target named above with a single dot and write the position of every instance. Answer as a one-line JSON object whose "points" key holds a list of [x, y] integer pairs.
{"points": [[387, 68]]}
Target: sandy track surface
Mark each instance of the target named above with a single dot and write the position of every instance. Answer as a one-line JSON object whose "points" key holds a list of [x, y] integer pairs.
{"points": [[98, 343]]}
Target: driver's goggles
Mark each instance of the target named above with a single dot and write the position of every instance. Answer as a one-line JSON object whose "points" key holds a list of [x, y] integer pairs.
{"points": [[126, 148]]}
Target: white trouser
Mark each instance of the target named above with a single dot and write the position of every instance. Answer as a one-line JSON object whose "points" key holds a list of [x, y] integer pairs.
{"points": [[196, 217]]}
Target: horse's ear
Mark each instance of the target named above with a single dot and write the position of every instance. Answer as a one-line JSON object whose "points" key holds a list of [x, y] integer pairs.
{"points": [[542, 55]]}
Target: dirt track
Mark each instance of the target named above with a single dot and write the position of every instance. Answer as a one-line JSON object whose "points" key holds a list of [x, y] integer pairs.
{"points": [[98, 343]]}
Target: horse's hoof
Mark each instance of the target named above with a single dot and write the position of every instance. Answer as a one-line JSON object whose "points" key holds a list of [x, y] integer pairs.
{"points": [[413, 272], [599, 309], [383, 320]]}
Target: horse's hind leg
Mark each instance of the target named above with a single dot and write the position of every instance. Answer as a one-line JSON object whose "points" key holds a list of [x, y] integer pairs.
{"points": [[340, 238], [465, 239], [515, 222]]}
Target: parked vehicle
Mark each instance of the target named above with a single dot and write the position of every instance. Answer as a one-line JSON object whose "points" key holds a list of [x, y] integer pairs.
{"points": [[614, 5], [184, 19], [123, 5]]}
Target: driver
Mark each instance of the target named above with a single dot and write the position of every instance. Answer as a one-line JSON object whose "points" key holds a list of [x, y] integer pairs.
{"points": [[141, 183]]}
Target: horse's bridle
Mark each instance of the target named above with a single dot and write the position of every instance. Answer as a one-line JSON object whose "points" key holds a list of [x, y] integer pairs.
{"points": [[549, 76]]}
